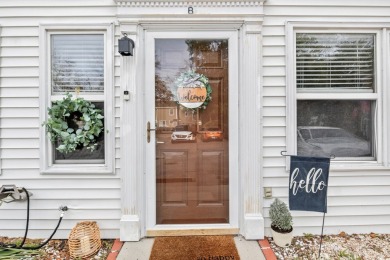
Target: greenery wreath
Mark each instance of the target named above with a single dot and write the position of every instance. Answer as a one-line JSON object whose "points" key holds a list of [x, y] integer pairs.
{"points": [[74, 124], [190, 76]]}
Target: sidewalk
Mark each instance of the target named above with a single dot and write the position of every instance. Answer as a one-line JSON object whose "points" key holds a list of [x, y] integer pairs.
{"points": [[141, 250]]}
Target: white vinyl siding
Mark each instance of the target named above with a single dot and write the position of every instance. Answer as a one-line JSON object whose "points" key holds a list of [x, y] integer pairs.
{"points": [[89, 197], [358, 196]]}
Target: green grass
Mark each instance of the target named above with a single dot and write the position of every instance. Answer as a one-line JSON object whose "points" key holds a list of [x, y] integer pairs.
{"points": [[308, 235], [344, 254], [14, 254]]}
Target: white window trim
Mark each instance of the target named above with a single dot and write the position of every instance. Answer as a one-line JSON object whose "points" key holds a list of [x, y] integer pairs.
{"points": [[1, 149], [162, 123], [386, 84], [381, 79], [46, 162]]}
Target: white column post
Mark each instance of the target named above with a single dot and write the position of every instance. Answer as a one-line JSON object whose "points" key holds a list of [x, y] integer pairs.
{"points": [[250, 130], [131, 116]]}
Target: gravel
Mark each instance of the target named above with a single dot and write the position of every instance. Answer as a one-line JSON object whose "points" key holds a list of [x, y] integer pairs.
{"points": [[342, 246]]}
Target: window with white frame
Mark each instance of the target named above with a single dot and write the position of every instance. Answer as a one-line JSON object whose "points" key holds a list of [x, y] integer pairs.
{"points": [[77, 63], [336, 94], [162, 123], [77, 66]]}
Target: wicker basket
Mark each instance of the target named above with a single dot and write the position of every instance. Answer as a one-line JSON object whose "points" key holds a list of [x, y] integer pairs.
{"points": [[84, 240]]}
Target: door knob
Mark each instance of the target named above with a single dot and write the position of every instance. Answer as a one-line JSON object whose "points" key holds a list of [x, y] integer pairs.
{"points": [[148, 129]]}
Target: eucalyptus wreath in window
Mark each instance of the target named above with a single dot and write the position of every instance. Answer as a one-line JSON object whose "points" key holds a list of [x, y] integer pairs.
{"points": [[200, 97], [73, 124]]}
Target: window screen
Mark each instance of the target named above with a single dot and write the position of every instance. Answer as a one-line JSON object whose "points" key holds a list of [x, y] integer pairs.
{"points": [[343, 128]]}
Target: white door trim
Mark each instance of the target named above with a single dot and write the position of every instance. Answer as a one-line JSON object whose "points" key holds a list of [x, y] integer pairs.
{"points": [[133, 163], [232, 37]]}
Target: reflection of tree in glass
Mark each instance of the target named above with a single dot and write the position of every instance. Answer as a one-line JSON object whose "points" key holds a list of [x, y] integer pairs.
{"points": [[197, 47], [162, 93]]}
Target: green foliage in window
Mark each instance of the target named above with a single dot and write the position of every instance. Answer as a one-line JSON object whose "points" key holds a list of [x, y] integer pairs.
{"points": [[74, 124]]}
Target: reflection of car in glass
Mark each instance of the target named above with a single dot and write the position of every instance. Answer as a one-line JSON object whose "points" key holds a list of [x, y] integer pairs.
{"points": [[212, 134], [326, 141], [180, 133]]}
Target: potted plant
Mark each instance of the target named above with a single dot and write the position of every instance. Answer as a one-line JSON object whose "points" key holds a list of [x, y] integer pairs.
{"points": [[281, 223]]}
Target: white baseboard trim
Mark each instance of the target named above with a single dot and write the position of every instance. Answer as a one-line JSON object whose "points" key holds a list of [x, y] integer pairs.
{"points": [[253, 226], [130, 228]]}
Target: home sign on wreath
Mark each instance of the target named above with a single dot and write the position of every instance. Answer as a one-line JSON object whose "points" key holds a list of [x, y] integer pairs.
{"points": [[193, 90]]}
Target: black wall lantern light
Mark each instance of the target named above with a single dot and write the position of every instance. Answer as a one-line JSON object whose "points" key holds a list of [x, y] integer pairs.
{"points": [[125, 46]]}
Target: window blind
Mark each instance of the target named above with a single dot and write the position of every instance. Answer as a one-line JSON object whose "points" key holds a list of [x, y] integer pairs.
{"points": [[335, 60], [77, 61]]}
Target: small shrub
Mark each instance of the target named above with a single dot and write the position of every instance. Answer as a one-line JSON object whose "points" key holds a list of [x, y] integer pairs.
{"points": [[280, 215]]}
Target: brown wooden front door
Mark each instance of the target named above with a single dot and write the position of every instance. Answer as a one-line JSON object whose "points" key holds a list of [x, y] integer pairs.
{"points": [[192, 137]]}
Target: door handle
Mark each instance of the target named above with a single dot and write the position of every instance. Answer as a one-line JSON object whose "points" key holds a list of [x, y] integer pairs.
{"points": [[160, 142], [148, 129]]}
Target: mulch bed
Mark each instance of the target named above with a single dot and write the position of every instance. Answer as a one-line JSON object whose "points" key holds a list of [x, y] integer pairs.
{"points": [[55, 249], [342, 246]]}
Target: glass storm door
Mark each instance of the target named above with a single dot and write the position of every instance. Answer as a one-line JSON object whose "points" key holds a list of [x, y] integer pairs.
{"points": [[191, 122]]}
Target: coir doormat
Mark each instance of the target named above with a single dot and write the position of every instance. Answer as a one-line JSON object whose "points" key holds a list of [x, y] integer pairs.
{"points": [[194, 248]]}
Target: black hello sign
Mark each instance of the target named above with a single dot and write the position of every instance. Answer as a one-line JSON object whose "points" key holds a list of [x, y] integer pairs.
{"points": [[308, 183]]}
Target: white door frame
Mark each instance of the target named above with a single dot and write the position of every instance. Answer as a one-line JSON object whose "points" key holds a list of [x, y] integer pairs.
{"points": [[136, 196], [232, 37]]}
